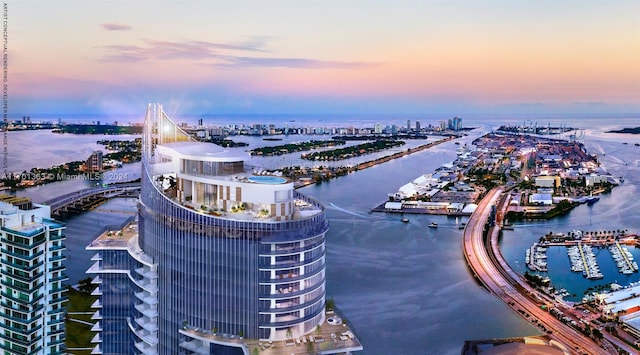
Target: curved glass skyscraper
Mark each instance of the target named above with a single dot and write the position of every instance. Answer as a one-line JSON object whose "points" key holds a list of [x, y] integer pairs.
{"points": [[224, 255]]}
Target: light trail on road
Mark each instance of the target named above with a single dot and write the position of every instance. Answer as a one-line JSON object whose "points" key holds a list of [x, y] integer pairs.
{"points": [[500, 282]]}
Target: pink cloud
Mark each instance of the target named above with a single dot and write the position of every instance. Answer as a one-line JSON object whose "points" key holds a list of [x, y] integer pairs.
{"points": [[115, 27], [218, 54]]}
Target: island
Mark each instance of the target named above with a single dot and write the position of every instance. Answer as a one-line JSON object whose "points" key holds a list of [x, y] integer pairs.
{"points": [[98, 129], [635, 130], [353, 151], [294, 147], [546, 178]]}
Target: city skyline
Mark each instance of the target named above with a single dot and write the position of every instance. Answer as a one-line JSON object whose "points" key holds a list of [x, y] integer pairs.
{"points": [[324, 57]]}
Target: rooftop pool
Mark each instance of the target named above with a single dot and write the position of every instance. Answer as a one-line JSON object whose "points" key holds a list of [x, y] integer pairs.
{"points": [[270, 180]]}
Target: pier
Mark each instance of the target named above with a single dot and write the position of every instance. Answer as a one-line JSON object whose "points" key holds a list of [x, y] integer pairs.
{"points": [[591, 269], [536, 258], [623, 259], [574, 257]]}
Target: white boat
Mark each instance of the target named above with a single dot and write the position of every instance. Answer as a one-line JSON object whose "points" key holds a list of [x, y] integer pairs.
{"points": [[433, 225]]}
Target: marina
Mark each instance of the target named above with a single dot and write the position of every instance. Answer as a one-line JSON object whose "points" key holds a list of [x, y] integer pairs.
{"points": [[580, 250], [582, 257]]}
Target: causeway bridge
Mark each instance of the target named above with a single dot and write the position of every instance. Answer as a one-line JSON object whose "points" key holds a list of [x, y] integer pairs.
{"points": [[86, 199], [480, 246]]}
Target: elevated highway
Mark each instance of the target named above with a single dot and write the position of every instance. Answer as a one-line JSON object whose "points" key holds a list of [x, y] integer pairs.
{"points": [[84, 199], [501, 280]]}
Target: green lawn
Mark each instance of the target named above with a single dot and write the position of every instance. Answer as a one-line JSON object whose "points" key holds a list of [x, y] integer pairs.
{"points": [[79, 335]]}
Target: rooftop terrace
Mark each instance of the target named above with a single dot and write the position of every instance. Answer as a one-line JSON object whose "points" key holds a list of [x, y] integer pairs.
{"points": [[116, 238], [303, 207], [332, 337]]}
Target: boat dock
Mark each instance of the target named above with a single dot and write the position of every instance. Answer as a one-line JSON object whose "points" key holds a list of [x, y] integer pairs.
{"points": [[574, 258], [584, 260], [591, 268], [536, 258], [623, 259]]}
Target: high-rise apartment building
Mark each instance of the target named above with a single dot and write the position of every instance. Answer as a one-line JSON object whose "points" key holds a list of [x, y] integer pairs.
{"points": [[94, 162], [377, 129], [225, 259], [32, 297], [456, 123]]}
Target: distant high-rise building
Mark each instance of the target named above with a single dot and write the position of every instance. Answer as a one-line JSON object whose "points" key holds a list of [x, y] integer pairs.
{"points": [[216, 131], [200, 122], [458, 123], [455, 123], [418, 126], [32, 311], [377, 128], [222, 257], [408, 125], [94, 162]]}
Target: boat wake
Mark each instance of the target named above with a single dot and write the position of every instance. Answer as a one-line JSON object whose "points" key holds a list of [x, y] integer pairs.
{"points": [[361, 215]]}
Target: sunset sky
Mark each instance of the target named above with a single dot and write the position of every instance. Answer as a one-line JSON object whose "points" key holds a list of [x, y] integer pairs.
{"points": [[285, 56]]}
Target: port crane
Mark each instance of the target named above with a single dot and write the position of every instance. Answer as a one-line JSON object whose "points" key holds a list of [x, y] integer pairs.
{"points": [[576, 136]]}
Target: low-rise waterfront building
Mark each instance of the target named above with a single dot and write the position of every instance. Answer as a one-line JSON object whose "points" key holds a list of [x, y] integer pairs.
{"points": [[624, 304], [541, 199], [547, 181]]}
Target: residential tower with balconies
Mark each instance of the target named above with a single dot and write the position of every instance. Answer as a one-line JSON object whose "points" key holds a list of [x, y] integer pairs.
{"points": [[32, 273], [224, 254]]}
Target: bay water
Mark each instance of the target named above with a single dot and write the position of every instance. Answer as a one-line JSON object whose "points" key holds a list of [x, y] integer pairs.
{"points": [[405, 287]]}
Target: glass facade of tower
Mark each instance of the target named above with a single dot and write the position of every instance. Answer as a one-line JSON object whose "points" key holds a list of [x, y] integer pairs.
{"points": [[115, 270], [216, 250], [239, 277]]}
